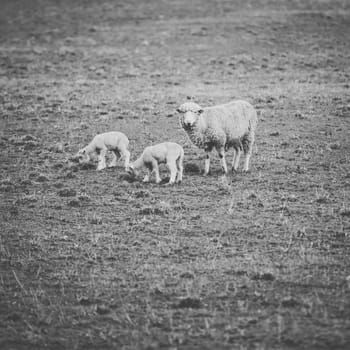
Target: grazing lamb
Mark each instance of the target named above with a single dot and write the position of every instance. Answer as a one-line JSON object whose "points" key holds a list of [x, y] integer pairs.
{"points": [[170, 153], [113, 141], [222, 127]]}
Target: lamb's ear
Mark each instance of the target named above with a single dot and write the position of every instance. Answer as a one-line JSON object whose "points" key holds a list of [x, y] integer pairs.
{"points": [[178, 110], [200, 111], [131, 171]]}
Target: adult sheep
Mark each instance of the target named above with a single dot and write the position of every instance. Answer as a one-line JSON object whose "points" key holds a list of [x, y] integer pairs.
{"points": [[230, 125]]}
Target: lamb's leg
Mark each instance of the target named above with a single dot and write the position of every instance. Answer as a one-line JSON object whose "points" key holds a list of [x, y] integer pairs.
{"points": [[156, 171], [147, 176], [248, 154], [221, 152], [173, 171], [126, 155], [233, 159], [207, 163], [149, 173], [90, 157], [236, 159], [115, 155], [247, 159], [102, 159], [180, 169]]}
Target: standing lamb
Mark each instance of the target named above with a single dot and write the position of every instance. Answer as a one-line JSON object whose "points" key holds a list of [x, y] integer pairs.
{"points": [[114, 141], [222, 127], [170, 153]]}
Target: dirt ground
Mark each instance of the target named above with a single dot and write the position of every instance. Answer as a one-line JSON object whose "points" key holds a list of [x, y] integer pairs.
{"points": [[94, 260]]}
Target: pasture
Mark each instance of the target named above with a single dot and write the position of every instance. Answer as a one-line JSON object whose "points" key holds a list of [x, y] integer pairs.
{"points": [[93, 260]]}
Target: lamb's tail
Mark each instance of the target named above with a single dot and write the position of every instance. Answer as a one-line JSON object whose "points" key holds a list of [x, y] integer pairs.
{"points": [[245, 142], [247, 138], [181, 156]]}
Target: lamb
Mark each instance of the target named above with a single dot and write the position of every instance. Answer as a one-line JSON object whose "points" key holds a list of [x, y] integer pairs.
{"points": [[170, 153], [114, 141], [230, 125]]}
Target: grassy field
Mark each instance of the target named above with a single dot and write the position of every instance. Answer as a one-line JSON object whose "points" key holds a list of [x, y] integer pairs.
{"points": [[93, 260]]}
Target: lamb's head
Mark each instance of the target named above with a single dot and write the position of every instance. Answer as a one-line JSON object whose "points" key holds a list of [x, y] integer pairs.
{"points": [[189, 113], [130, 169], [81, 155]]}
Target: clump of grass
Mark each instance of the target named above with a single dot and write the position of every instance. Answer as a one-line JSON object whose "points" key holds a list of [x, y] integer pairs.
{"points": [[162, 208], [322, 196], [42, 178], [31, 198], [30, 145], [263, 276], [95, 220], [28, 137], [75, 203], [67, 192], [345, 212], [84, 197], [57, 148], [6, 185], [189, 302], [142, 194]]}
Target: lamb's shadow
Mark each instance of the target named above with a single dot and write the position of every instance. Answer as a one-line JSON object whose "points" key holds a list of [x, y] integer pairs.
{"points": [[87, 166], [192, 168]]}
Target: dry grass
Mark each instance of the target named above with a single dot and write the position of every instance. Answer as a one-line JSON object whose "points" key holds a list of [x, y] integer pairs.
{"points": [[94, 260]]}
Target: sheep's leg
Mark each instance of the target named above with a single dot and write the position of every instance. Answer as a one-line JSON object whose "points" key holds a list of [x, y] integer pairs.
{"points": [[207, 163], [221, 152], [115, 155], [237, 157], [102, 159], [173, 172]]}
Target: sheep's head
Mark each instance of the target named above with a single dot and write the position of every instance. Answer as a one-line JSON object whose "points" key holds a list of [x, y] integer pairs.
{"points": [[190, 112]]}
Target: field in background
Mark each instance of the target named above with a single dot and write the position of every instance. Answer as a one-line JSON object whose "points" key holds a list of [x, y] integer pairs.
{"points": [[90, 260]]}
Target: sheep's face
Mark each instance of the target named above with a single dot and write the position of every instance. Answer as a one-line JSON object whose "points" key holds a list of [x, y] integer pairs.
{"points": [[190, 112]]}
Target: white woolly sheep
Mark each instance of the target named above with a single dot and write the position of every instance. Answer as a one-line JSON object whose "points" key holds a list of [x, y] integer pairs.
{"points": [[222, 127], [114, 141], [170, 153]]}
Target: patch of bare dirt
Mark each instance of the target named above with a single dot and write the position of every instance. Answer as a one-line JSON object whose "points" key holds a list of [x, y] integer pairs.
{"points": [[100, 260]]}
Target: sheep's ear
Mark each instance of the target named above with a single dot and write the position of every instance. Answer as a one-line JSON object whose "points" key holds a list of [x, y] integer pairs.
{"points": [[200, 111], [178, 110]]}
